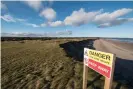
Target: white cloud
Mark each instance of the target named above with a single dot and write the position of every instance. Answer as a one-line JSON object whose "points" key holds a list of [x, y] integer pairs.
{"points": [[108, 17], [43, 25], [3, 6], [29, 34], [33, 25], [120, 12], [116, 22], [80, 17], [66, 32], [52, 24], [77, 18], [34, 4], [49, 14], [20, 34], [130, 19], [55, 24], [104, 25], [8, 18]]}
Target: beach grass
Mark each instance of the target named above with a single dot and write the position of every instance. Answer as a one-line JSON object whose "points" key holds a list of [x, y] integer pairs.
{"points": [[40, 64]]}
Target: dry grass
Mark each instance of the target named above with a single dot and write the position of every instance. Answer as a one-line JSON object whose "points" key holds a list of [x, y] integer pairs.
{"points": [[41, 65]]}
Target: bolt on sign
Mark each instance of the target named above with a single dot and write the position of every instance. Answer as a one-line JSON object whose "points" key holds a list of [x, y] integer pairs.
{"points": [[100, 62]]}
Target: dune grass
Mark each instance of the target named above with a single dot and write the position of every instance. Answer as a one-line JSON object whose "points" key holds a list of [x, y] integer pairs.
{"points": [[41, 65]]}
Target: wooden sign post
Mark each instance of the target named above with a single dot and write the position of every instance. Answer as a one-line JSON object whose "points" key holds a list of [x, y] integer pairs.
{"points": [[100, 62], [108, 82], [85, 76]]}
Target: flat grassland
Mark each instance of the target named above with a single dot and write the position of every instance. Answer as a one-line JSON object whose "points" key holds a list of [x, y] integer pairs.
{"points": [[36, 64]]}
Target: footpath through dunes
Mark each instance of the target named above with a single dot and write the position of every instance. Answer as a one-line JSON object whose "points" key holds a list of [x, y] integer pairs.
{"points": [[124, 58]]}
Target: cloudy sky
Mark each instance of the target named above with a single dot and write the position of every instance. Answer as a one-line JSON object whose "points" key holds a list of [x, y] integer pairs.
{"points": [[67, 18]]}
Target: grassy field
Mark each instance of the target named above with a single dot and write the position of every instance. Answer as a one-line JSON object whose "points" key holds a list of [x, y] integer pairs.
{"points": [[40, 64]]}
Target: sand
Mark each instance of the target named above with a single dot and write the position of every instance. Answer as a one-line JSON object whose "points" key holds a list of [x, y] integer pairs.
{"points": [[124, 58], [121, 49], [124, 45]]}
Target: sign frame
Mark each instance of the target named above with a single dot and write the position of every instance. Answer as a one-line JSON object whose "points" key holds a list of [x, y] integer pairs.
{"points": [[108, 80]]}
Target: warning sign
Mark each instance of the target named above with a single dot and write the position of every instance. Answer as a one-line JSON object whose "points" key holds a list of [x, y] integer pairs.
{"points": [[99, 61]]}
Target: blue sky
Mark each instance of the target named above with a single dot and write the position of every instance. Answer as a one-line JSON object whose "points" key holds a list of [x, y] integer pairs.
{"points": [[67, 18]]}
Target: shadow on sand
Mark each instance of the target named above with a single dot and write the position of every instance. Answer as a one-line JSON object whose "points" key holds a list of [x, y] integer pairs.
{"points": [[123, 72], [123, 68]]}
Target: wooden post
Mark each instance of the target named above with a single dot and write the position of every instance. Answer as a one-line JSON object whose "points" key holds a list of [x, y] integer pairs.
{"points": [[108, 82], [85, 73]]}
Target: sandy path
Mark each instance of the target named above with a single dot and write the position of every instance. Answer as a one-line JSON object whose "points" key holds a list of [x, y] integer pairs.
{"points": [[122, 50], [124, 45]]}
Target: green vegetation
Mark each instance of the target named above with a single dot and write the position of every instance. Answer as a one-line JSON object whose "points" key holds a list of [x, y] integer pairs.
{"points": [[36, 64]]}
